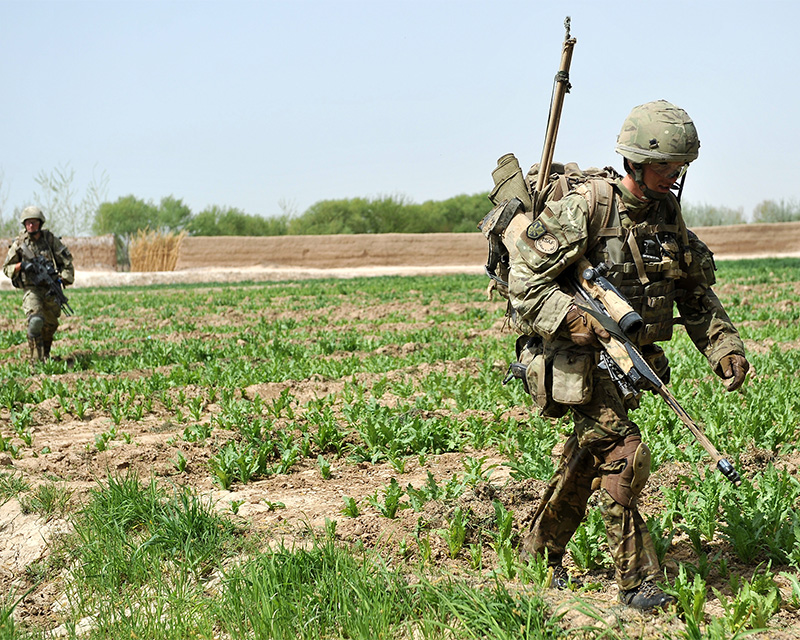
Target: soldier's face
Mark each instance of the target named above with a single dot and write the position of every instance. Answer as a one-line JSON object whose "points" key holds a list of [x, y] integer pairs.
{"points": [[32, 225], [660, 177]]}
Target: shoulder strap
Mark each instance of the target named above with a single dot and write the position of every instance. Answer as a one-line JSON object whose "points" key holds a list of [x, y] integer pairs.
{"points": [[24, 247], [600, 195]]}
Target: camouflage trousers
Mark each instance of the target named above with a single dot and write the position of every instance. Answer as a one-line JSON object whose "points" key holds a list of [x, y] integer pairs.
{"points": [[589, 453], [35, 301]]}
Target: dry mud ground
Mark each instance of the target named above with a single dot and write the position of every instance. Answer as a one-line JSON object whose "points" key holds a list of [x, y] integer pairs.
{"points": [[308, 499]]}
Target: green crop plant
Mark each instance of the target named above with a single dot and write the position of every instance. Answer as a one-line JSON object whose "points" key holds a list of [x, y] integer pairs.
{"points": [[762, 517], [391, 502], [21, 419], [475, 472], [662, 535], [752, 603], [324, 467], [456, 532], [350, 508], [197, 432], [8, 446], [587, 545]]}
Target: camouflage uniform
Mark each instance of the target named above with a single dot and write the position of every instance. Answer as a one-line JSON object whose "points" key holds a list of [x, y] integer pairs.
{"points": [[41, 309], [657, 264]]}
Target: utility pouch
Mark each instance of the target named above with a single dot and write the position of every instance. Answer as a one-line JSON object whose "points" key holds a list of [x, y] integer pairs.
{"points": [[572, 377], [701, 268], [538, 376]]}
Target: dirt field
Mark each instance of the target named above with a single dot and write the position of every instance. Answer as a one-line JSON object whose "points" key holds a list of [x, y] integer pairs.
{"points": [[26, 539]]}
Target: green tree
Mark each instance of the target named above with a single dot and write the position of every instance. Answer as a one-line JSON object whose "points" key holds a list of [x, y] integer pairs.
{"points": [[173, 215], [355, 215], [391, 214], [125, 217], [229, 221], [781, 211], [129, 214], [706, 215]]}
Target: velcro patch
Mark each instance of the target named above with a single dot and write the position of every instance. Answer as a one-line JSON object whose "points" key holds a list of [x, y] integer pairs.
{"points": [[548, 244], [536, 230]]}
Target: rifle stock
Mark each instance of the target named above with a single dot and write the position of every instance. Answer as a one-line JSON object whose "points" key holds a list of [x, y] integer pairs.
{"points": [[625, 363]]}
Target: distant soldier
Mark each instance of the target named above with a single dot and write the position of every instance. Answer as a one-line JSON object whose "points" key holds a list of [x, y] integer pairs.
{"points": [[658, 264], [41, 308]]}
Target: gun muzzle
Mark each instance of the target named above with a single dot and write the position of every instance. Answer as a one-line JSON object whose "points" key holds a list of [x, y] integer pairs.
{"points": [[728, 470]]}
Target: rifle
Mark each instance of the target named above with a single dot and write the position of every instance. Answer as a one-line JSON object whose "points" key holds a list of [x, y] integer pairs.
{"points": [[621, 357], [42, 273], [560, 88]]}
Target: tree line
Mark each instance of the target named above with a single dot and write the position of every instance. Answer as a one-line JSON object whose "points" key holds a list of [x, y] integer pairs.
{"points": [[73, 215]]}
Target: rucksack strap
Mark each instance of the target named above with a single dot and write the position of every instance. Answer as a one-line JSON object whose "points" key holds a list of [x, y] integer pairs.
{"points": [[600, 194]]}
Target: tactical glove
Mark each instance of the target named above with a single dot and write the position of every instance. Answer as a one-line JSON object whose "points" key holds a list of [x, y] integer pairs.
{"points": [[583, 328], [732, 369]]}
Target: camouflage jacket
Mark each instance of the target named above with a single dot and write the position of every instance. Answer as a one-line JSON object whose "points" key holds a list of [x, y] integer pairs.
{"points": [[25, 248], [656, 262]]}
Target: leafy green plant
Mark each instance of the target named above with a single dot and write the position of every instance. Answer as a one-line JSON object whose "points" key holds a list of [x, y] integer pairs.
{"points": [[661, 535], [691, 596], [475, 472], [761, 518], [456, 532], [587, 544], [391, 504], [180, 462], [350, 508]]}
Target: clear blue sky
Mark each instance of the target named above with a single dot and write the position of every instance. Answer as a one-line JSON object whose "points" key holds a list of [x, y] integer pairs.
{"points": [[250, 104]]}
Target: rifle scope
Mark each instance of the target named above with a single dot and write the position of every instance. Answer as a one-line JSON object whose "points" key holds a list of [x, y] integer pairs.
{"points": [[630, 321]]}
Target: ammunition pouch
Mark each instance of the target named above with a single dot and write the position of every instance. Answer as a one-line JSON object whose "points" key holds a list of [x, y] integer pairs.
{"points": [[701, 268], [572, 376], [554, 379]]}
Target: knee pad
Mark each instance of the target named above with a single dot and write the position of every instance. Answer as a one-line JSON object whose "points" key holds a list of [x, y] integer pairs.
{"points": [[626, 471], [35, 326]]}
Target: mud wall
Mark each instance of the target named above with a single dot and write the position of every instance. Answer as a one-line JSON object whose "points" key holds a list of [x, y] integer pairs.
{"points": [[435, 249], [88, 254], [390, 249]]}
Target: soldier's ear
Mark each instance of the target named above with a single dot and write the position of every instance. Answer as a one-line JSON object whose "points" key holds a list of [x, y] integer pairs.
{"points": [[628, 166]]}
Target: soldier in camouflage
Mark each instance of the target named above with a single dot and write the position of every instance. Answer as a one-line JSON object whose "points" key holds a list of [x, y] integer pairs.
{"points": [[41, 309], [657, 264]]}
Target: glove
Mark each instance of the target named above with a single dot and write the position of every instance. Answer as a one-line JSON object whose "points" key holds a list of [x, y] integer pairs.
{"points": [[24, 265], [583, 328], [732, 369]]}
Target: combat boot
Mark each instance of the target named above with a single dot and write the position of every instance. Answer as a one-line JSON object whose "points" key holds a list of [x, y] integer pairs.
{"points": [[646, 597], [561, 580]]}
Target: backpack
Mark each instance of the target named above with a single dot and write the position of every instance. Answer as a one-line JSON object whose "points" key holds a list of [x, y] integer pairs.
{"points": [[517, 205]]}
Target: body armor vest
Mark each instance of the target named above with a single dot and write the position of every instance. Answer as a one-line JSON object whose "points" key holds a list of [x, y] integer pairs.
{"points": [[645, 258]]}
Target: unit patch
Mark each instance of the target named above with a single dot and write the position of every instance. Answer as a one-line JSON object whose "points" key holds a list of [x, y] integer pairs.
{"points": [[536, 230], [547, 244]]}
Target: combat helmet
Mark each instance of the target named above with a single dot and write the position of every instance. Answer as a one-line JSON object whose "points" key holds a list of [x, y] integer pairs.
{"points": [[32, 212], [658, 131]]}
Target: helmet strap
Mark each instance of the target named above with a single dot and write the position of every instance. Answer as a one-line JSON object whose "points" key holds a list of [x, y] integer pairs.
{"points": [[637, 171], [680, 187]]}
